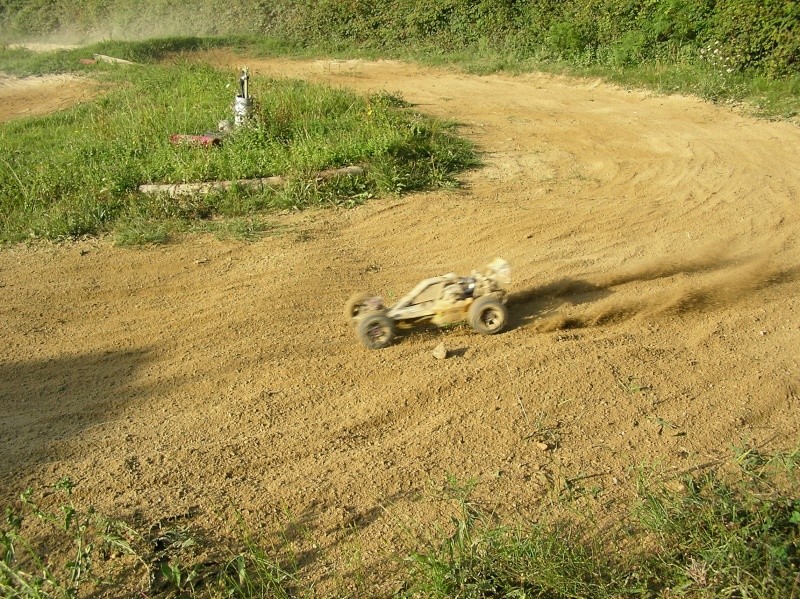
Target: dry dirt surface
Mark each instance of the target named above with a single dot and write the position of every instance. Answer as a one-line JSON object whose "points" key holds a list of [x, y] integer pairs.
{"points": [[655, 320], [33, 96]]}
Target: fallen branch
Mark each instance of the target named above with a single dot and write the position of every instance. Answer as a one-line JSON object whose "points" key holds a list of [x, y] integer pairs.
{"points": [[174, 190]]}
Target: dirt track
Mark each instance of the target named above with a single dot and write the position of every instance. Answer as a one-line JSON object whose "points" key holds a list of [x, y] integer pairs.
{"points": [[34, 96], [655, 248]]}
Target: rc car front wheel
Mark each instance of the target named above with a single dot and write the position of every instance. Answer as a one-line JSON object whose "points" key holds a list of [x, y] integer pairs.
{"points": [[487, 315], [376, 331], [354, 305]]}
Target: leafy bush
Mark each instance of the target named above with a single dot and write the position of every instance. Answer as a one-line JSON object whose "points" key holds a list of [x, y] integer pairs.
{"points": [[762, 36], [759, 35]]}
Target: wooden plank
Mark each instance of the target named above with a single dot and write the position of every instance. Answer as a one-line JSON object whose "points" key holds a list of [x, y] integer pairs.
{"points": [[175, 190]]}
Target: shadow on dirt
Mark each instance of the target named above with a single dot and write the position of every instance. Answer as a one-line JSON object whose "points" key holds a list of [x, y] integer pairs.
{"points": [[528, 304], [51, 400]]}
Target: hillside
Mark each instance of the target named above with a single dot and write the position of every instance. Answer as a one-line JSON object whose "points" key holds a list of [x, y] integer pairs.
{"points": [[724, 35]]}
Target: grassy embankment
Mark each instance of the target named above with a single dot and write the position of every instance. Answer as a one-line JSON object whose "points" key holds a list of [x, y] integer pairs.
{"points": [[726, 51], [723, 50]]}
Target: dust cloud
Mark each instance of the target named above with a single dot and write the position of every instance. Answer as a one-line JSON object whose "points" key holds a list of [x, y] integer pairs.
{"points": [[118, 20], [707, 280]]}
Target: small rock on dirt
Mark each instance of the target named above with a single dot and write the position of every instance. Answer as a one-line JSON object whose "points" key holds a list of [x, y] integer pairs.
{"points": [[440, 353]]}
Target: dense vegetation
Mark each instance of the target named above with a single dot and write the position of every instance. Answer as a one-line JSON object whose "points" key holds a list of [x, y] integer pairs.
{"points": [[763, 36], [758, 36]]}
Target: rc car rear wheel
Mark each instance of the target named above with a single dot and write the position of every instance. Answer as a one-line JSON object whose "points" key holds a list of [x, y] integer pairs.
{"points": [[487, 315], [354, 305], [376, 331]]}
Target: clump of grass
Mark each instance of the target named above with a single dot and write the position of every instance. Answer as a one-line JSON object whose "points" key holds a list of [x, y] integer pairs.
{"points": [[27, 571], [140, 232], [89, 554], [77, 172], [244, 228], [482, 559], [738, 537], [252, 572]]}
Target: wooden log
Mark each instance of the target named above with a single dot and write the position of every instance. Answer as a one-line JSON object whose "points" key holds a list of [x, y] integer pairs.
{"points": [[175, 190], [111, 59]]}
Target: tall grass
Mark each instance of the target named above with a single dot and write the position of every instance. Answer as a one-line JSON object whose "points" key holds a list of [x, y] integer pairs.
{"points": [[77, 172]]}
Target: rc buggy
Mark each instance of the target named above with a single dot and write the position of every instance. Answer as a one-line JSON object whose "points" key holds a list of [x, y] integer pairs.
{"points": [[478, 299]]}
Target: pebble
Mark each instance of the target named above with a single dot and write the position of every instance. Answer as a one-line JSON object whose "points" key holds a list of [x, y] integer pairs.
{"points": [[440, 353]]}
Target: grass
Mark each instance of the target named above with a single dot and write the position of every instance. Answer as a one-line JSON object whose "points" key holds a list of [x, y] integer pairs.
{"points": [[763, 97], [733, 531], [110, 557], [77, 172], [719, 535], [21, 62]]}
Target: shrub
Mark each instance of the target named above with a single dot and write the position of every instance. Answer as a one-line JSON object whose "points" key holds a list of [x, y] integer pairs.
{"points": [[759, 35], [762, 36]]}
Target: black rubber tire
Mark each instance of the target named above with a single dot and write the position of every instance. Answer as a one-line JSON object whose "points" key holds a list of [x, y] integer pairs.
{"points": [[487, 315], [354, 306], [376, 331]]}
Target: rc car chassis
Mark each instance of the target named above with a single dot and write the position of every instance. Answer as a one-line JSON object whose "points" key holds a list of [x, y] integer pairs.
{"points": [[478, 299]]}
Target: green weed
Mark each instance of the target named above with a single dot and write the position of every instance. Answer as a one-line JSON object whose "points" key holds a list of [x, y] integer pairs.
{"points": [[250, 228], [140, 232], [78, 552], [252, 572], [712, 538], [718, 538], [29, 572], [482, 559]]}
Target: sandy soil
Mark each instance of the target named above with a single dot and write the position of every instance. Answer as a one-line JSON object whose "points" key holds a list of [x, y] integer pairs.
{"points": [[32, 96], [656, 320]]}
